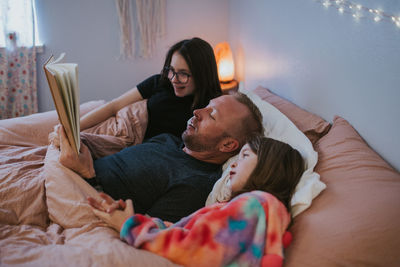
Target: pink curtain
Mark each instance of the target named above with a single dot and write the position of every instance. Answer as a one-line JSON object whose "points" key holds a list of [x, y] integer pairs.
{"points": [[18, 87]]}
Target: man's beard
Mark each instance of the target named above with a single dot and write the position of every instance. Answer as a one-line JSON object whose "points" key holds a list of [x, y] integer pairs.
{"points": [[199, 143]]}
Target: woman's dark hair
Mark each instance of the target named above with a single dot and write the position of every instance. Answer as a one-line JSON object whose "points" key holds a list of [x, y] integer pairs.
{"points": [[199, 56], [278, 170]]}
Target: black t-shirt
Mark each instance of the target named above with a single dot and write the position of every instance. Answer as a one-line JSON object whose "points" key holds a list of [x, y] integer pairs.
{"points": [[160, 178], [167, 112]]}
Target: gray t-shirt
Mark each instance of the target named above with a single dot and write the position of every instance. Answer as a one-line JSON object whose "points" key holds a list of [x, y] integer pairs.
{"points": [[160, 178]]}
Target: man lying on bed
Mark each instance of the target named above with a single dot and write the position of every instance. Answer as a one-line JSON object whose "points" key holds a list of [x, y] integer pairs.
{"points": [[167, 177]]}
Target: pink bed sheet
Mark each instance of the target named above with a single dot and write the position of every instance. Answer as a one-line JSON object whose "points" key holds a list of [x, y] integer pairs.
{"points": [[44, 218]]}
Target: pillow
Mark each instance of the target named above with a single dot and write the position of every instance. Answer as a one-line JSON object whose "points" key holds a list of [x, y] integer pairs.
{"points": [[33, 130], [313, 126], [129, 122], [126, 128], [356, 220], [279, 127]]}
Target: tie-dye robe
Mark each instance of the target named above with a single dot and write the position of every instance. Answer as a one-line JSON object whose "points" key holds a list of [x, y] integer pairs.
{"points": [[250, 230]]}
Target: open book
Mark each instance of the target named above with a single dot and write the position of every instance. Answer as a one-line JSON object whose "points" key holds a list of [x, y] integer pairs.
{"points": [[63, 83]]}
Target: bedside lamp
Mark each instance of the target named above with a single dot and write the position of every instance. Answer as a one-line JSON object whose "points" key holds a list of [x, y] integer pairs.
{"points": [[226, 68]]}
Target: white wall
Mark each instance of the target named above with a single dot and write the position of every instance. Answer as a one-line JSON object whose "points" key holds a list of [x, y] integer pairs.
{"points": [[88, 31], [325, 62]]}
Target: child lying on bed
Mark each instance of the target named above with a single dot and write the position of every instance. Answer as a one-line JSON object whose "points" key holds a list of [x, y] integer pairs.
{"points": [[249, 230]]}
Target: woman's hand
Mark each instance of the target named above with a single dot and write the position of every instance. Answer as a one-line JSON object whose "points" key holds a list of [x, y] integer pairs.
{"points": [[116, 218]]}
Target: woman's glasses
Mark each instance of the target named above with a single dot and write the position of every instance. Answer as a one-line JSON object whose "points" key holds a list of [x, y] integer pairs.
{"points": [[182, 77]]}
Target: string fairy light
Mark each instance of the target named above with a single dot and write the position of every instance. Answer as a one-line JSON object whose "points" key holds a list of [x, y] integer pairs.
{"points": [[359, 11]]}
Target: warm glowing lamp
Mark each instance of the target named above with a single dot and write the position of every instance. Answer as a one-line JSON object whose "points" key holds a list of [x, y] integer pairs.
{"points": [[226, 67], [224, 58]]}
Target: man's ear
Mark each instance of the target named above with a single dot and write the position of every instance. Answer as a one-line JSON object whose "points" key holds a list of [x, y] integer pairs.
{"points": [[228, 144]]}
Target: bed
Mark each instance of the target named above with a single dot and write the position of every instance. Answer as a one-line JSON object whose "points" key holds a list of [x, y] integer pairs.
{"points": [[45, 220]]}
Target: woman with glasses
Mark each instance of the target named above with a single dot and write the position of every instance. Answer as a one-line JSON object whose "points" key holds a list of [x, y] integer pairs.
{"points": [[188, 81]]}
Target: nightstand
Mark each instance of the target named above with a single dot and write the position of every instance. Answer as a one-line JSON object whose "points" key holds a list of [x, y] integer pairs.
{"points": [[229, 87]]}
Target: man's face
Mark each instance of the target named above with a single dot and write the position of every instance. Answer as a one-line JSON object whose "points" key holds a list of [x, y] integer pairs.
{"points": [[210, 125]]}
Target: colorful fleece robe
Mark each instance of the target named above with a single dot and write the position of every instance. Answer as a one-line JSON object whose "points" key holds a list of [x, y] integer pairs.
{"points": [[250, 230]]}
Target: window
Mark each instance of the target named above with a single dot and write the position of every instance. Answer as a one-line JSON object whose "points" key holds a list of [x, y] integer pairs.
{"points": [[19, 23]]}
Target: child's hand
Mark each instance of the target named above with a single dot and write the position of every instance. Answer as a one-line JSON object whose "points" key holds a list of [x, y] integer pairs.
{"points": [[108, 204], [117, 218]]}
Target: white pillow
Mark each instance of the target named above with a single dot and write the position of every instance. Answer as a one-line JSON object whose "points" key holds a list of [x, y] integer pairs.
{"points": [[279, 127]]}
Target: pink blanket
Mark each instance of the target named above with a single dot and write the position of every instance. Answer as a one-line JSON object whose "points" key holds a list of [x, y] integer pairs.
{"points": [[44, 217]]}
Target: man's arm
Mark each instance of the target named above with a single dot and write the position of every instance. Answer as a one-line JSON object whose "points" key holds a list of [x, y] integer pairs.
{"points": [[82, 163]]}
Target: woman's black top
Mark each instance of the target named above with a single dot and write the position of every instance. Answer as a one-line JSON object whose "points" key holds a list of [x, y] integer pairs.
{"points": [[167, 113]]}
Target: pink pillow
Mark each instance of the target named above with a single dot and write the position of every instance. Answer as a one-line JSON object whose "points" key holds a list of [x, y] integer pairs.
{"points": [[313, 126], [356, 220], [33, 130]]}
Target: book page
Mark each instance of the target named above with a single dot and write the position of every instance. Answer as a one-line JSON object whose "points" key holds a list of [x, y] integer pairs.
{"points": [[60, 59], [75, 96], [62, 83], [69, 100], [71, 76], [65, 96]]}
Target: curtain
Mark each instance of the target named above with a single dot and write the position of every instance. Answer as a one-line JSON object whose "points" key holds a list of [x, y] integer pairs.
{"points": [[18, 85], [140, 29]]}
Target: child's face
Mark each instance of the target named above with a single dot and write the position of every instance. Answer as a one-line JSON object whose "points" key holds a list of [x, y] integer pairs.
{"points": [[242, 168]]}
